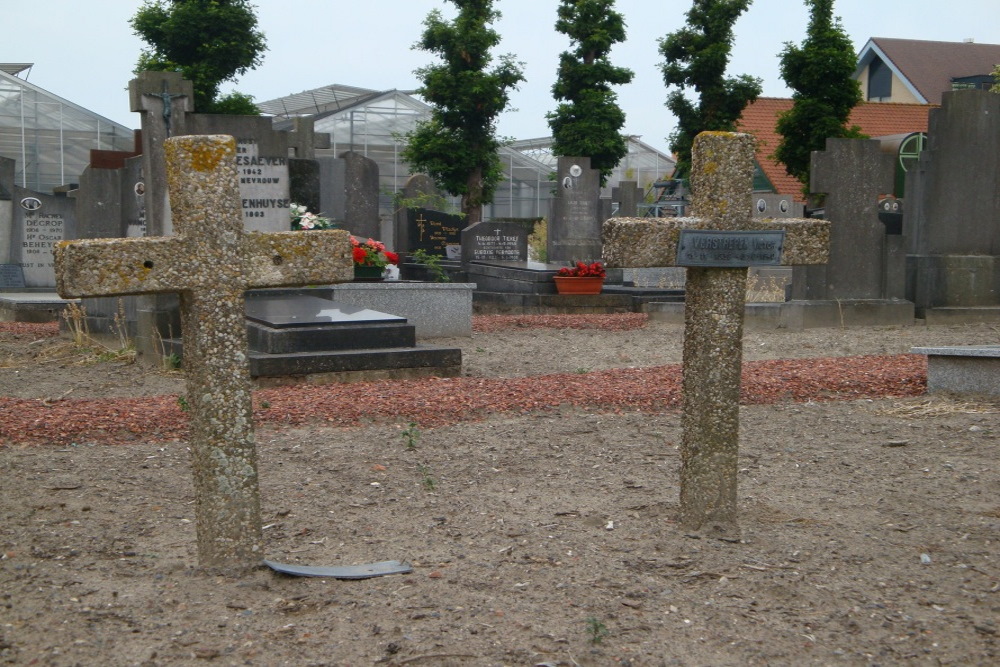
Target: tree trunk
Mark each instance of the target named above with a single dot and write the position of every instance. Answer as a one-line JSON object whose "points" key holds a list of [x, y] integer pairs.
{"points": [[472, 200]]}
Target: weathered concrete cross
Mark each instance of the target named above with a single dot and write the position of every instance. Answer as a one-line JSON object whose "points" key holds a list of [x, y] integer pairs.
{"points": [[721, 184], [211, 263]]}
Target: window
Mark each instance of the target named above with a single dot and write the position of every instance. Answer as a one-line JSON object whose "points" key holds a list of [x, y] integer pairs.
{"points": [[879, 82]]}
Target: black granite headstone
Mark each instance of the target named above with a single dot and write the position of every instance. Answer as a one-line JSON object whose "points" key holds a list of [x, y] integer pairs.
{"points": [[495, 241], [11, 276], [433, 231]]}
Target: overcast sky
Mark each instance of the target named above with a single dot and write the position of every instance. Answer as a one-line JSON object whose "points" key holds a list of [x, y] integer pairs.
{"points": [[85, 51]]}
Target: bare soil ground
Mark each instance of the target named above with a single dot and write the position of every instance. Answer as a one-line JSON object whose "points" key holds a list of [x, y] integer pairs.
{"points": [[537, 536]]}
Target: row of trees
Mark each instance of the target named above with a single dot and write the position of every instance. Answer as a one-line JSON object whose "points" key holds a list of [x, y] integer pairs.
{"points": [[213, 41]]}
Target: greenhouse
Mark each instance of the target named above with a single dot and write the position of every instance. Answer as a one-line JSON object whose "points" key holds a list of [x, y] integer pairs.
{"points": [[50, 138], [375, 123]]}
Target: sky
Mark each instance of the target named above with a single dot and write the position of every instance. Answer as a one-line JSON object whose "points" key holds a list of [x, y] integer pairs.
{"points": [[85, 51]]}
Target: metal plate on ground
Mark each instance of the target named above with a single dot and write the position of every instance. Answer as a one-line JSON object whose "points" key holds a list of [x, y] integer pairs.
{"points": [[367, 571]]}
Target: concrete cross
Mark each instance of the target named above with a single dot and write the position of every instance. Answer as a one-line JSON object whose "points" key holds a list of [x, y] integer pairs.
{"points": [[211, 263], [628, 194], [721, 184]]}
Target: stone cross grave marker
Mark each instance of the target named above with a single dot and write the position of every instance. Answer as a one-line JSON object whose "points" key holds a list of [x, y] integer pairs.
{"points": [[717, 244], [211, 263]]}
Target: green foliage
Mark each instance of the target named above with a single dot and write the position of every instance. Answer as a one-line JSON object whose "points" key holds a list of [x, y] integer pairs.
{"points": [[696, 57], [236, 104], [433, 264], [588, 123], [458, 145], [996, 78], [410, 435], [208, 41], [597, 630], [821, 74], [183, 404], [538, 241]]}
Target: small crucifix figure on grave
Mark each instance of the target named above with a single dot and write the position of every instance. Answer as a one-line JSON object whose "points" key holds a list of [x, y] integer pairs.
{"points": [[717, 245], [211, 263]]}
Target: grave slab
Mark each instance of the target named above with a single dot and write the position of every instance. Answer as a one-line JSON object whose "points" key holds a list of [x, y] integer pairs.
{"points": [[970, 369]]}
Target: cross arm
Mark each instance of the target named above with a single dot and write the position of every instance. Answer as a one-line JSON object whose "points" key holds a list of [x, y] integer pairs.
{"points": [[286, 259], [649, 242], [106, 267]]}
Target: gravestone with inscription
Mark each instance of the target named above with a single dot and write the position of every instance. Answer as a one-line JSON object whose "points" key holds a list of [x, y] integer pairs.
{"points": [[434, 232], [495, 242], [717, 246], [40, 221], [574, 231]]}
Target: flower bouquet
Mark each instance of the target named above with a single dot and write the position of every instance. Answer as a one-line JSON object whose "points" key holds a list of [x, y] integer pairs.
{"points": [[580, 279], [303, 219], [371, 258]]}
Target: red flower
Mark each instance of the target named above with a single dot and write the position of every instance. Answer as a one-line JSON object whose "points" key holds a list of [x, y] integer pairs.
{"points": [[581, 270], [392, 257], [359, 255]]}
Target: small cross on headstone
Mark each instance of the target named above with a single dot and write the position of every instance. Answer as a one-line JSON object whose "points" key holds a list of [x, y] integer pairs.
{"points": [[211, 263], [717, 245]]}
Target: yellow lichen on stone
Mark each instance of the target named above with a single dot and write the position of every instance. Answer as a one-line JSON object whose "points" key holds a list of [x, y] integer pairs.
{"points": [[204, 153]]}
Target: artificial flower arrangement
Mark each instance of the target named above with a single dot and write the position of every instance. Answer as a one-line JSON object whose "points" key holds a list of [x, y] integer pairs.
{"points": [[372, 253], [581, 270], [303, 219]]}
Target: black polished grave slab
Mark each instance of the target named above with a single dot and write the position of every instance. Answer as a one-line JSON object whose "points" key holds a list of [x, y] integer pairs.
{"points": [[281, 312]]}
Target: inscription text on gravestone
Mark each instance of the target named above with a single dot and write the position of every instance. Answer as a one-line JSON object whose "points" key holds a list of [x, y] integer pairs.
{"points": [[701, 247]]}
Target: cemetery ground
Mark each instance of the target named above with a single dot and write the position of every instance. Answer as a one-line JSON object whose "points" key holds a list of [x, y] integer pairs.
{"points": [[535, 498]]}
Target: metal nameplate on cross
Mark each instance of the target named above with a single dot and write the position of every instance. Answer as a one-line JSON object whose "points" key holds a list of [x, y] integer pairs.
{"points": [[715, 298], [211, 263]]}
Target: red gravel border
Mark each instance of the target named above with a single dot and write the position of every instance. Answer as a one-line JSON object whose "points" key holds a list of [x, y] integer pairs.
{"points": [[439, 401]]}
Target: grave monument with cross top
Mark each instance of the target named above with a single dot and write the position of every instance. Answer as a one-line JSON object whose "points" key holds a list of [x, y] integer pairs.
{"points": [[717, 244], [211, 263]]}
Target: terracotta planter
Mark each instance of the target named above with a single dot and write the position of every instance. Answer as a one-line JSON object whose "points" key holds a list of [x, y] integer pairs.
{"points": [[368, 273], [579, 284]]}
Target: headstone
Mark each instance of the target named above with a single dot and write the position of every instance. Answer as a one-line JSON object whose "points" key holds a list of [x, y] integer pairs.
{"points": [[721, 182], [434, 232], [494, 242], [628, 194], [852, 173], [11, 276], [361, 195], [418, 187], [574, 232], [304, 177], [211, 266], [40, 222], [6, 208], [950, 222]]}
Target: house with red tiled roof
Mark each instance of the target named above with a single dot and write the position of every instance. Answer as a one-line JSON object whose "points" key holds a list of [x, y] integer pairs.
{"points": [[875, 119], [901, 81], [920, 71]]}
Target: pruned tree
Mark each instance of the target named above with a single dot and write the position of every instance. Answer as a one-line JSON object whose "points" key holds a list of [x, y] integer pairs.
{"points": [[589, 121], [821, 74], [208, 41], [696, 58], [458, 146]]}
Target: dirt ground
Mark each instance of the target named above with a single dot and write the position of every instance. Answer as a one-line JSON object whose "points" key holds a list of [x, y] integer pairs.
{"points": [[870, 527]]}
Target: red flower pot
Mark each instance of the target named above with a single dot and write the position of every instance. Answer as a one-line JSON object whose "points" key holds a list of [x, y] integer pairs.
{"points": [[579, 284]]}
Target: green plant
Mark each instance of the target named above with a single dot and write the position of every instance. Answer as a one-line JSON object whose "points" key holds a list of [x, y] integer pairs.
{"points": [[433, 264], [410, 435], [538, 241], [597, 630], [171, 362], [183, 404], [427, 481]]}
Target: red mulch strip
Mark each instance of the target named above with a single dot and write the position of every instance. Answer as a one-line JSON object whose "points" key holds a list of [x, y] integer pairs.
{"points": [[44, 330], [612, 322], [439, 401]]}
